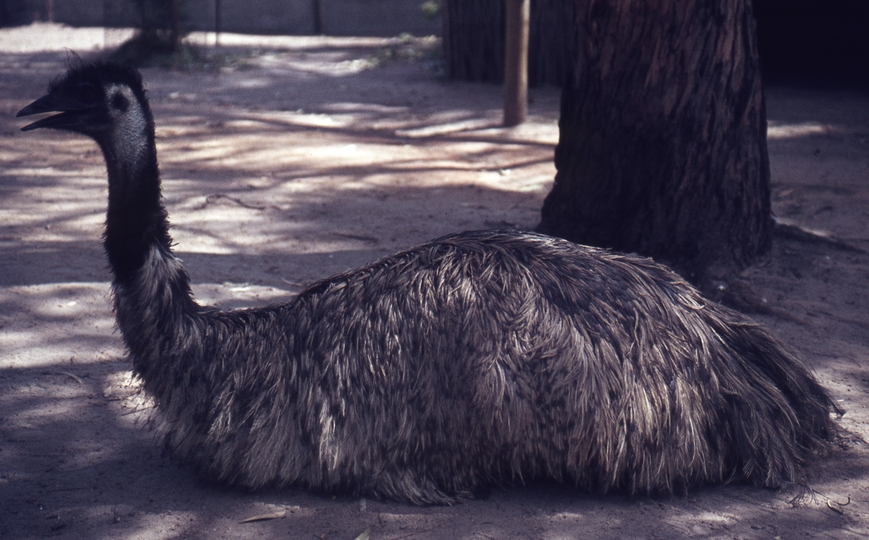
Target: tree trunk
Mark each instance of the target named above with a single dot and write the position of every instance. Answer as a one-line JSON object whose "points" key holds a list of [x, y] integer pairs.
{"points": [[662, 146]]}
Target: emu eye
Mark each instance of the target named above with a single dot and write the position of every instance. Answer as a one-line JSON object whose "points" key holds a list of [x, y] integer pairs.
{"points": [[120, 102]]}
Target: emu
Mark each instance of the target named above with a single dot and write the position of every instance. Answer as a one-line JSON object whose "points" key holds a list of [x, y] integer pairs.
{"points": [[478, 359]]}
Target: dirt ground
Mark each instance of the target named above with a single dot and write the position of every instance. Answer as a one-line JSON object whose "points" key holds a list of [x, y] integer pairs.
{"points": [[305, 156]]}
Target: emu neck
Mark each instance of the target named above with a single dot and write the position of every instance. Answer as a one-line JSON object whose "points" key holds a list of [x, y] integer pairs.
{"points": [[153, 302], [136, 222]]}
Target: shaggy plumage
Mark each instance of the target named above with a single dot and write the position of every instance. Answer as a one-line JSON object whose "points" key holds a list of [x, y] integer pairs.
{"points": [[479, 358]]}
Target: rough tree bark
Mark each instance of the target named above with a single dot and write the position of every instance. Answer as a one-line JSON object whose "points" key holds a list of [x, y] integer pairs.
{"points": [[662, 146]]}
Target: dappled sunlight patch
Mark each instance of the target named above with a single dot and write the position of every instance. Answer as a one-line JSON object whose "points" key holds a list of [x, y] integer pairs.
{"points": [[248, 149], [130, 402], [180, 124], [701, 523], [777, 130], [229, 293], [232, 230], [352, 153], [66, 150], [537, 131], [572, 516], [298, 118], [354, 66], [252, 82], [31, 39], [70, 301], [266, 512], [199, 152], [53, 324], [360, 110], [449, 123], [136, 525], [848, 388], [53, 204], [56, 174], [291, 43], [31, 348]]}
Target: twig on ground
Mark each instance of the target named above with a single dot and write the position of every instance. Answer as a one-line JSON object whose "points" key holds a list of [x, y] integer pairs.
{"points": [[793, 231], [70, 375], [408, 535], [277, 514], [215, 197]]}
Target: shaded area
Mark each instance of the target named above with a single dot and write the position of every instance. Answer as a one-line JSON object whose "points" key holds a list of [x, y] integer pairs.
{"points": [[820, 43]]}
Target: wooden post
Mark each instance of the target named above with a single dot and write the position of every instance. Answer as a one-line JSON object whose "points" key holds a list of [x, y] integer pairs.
{"points": [[518, 14], [218, 22]]}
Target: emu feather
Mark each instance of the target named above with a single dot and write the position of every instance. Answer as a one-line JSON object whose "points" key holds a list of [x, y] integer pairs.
{"points": [[480, 358]]}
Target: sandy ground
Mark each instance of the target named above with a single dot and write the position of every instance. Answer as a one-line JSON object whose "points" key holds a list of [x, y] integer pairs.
{"points": [[308, 156]]}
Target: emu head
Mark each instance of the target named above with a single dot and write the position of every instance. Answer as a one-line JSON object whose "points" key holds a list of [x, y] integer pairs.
{"points": [[103, 101]]}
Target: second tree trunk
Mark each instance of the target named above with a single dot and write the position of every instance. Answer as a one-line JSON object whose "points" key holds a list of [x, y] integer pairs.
{"points": [[662, 146]]}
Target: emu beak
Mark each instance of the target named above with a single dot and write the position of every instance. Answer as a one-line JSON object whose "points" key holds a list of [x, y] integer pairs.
{"points": [[69, 112]]}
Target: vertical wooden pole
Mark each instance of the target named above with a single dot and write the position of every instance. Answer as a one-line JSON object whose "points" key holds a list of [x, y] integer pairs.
{"points": [[218, 22], [518, 14]]}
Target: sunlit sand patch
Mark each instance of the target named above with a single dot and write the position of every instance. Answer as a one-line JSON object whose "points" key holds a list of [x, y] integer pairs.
{"points": [[55, 324], [805, 129], [124, 390]]}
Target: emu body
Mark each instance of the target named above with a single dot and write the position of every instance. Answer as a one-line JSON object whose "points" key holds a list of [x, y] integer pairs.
{"points": [[480, 358]]}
